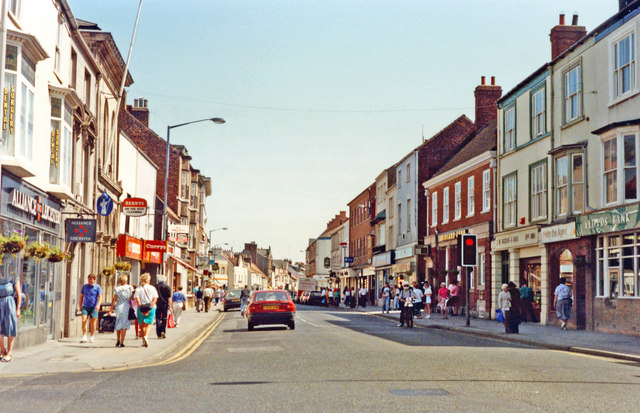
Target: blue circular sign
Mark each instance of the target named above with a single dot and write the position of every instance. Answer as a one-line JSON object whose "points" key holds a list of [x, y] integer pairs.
{"points": [[104, 204]]}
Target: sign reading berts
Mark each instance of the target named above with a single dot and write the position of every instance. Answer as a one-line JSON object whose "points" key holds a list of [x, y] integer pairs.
{"points": [[134, 207], [80, 230]]}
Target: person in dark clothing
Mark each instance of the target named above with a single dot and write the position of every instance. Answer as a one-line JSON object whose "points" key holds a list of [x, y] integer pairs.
{"points": [[199, 297], [162, 306], [526, 297], [513, 316]]}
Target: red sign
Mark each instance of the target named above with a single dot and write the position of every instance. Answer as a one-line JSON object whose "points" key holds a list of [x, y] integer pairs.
{"points": [[129, 247], [134, 207], [153, 257], [155, 246]]}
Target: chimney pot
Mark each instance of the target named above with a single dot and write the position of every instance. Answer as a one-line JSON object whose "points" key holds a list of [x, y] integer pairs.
{"points": [[493, 80], [562, 19], [574, 21], [482, 81]]}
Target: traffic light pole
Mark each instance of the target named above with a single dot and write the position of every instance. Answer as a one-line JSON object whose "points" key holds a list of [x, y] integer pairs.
{"points": [[466, 305]]}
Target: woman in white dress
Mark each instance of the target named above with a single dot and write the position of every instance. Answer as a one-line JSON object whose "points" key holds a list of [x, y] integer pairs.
{"points": [[121, 303]]}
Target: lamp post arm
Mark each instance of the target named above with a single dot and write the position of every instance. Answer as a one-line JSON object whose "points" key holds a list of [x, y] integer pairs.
{"points": [[215, 120]]}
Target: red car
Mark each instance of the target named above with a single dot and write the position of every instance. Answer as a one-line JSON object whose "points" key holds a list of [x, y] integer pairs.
{"points": [[271, 307]]}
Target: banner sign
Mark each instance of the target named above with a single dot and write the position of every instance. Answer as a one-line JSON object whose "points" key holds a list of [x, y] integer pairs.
{"points": [[134, 207], [80, 230], [611, 220]]}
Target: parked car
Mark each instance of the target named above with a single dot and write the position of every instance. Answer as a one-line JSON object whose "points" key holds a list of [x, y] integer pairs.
{"points": [[315, 298], [231, 300], [271, 307]]}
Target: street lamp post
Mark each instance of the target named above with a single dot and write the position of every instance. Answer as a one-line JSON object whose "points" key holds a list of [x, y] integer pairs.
{"points": [[166, 176], [217, 229]]}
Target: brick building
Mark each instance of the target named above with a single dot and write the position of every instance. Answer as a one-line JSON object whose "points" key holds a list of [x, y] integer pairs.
{"points": [[362, 210]]}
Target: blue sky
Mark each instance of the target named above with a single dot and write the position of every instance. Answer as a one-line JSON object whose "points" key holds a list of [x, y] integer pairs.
{"points": [[319, 96]]}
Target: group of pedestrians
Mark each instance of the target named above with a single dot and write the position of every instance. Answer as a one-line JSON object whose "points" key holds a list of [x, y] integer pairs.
{"points": [[207, 296], [352, 297]]}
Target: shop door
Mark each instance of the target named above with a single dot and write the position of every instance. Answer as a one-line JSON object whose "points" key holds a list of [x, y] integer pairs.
{"points": [[531, 273]]}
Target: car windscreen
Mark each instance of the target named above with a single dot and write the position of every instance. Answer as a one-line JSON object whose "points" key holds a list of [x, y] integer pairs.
{"points": [[270, 296], [233, 293]]}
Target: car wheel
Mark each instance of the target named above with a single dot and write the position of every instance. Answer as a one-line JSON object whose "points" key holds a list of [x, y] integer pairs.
{"points": [[250, 326], [292, 325]]}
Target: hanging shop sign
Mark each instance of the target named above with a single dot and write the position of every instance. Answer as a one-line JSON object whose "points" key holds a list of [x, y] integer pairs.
{"points": [[158, 246], [23, 202], [178, 229], [80, 230], [611, 220], [152, 257], [134, 207], [9, 108], [405, 252], [129, 247], [104, 204]]}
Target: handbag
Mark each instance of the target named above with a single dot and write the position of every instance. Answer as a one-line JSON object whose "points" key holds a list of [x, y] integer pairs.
{"points": [[145, 308], [132, 314]]}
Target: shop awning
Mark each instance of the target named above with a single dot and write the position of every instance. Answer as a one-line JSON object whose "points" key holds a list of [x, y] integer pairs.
{"points": [[381, 216], [187, 266]]}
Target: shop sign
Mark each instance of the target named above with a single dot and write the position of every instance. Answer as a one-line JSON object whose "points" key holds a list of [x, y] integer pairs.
{"points": [[404, 252], [203, 262], [178, 229], [518, 239], [104, 204], [155, 246], [306, 284], [35, 207], [152, 257], [9, 108], [134, 207], [129, 247], [558, 232], [451, 235], [381, 260], [179, 238], [404, 267], [80, 230], [611, 220]]}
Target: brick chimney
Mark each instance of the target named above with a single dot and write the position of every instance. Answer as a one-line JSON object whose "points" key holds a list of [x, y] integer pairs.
{"points": [[486, 102], [140, 110], [563, 37]]}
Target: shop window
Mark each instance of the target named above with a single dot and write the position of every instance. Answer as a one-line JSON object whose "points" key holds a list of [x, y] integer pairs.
{"points": [[618, 266], [566, 266]]}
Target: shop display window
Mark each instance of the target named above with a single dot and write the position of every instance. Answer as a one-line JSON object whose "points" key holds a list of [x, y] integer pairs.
{"points": [[618, 266]]}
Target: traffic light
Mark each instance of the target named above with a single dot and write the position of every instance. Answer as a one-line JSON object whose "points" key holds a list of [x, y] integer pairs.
{"points": [[469, 250]]}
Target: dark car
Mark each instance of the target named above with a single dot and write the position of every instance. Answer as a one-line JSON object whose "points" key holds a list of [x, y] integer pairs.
{"points": [[315, 298], [304, 296], [231, 300], [271, 307]]}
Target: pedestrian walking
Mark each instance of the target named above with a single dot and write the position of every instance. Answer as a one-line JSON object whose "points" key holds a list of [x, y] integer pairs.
{"points": [[179, 304], [10, 302], [90, 300], [207, 296], [504, 305], [199, 295], [134, 305], [526, 299], [454, 300], [405, 292], [563, 302], [146, 297], [162, 306], [416, 298], [428, 292], [514, 310], [347, 297], [443, 299], [121, 303], [353, 302], [396, 297], [386, 297], [336, 297], [216, 295], [362, 297]]}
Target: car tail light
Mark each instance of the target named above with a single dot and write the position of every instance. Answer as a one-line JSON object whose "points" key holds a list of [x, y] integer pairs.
{"points": [[224, 300], [252, 307], [291, 307]]}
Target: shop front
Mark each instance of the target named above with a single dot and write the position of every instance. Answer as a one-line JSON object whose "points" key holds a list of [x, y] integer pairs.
{"points": [[129, 250], [405, 267], [383, 264], [613, 304], [33, 216], [152, 251], [520, 256]]}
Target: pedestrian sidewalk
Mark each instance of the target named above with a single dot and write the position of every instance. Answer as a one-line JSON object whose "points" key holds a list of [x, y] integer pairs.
{"points": [[69, 355], [617, 346]]}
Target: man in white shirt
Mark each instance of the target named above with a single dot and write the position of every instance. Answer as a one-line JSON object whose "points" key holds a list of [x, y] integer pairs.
{"points": [[386, 297], [362, 294], [416, 297], [208, 294]]}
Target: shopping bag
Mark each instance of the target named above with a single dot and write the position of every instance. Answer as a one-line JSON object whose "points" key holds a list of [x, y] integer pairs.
{"points": [[499, 316], [170, 322]]}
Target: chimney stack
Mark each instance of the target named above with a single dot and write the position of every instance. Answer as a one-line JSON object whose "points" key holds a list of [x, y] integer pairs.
{"points": [[486, 102], [140, 110], [563, 37]]}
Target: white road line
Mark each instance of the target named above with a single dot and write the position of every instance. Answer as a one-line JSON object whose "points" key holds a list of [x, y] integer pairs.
{"points": [[305, 321]]}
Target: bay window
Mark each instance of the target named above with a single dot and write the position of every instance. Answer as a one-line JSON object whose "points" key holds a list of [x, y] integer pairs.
{"points": [[562, 187], [61, 144], [577, 183]]}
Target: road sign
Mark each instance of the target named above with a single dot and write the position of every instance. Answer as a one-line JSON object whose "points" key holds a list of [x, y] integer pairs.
{"points": [[104, 205], [348, 260], [134, 207], [80, 230]]}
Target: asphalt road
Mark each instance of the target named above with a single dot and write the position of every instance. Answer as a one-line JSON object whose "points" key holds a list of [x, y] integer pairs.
{"points": [[342, 361]]}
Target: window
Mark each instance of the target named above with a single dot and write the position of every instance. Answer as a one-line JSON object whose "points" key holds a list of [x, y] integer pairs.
{"points": [[17, 137], [14, 7], [408, 172], [510, 129], [391, 208], [562, 187], [434, 209], [457, 206], [486, 190], [408, 215], [577, 183], [445, 205], [399, 179], [74, 69], [573, 94], [510, 200], [470, 197], [87, 88], [624, 65], [185, 185], [399, 219], [192, 236], [623, 147], [482, 275], [472, 277], [618, 265], [538, 174], [194, 195], [61, 146], [538, 126]]}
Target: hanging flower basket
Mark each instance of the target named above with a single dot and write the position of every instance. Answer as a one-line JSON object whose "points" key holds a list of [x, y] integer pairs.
{"points": [[14, 243], [122, 266], [108, 271], [37, 250], [57, 255]]}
